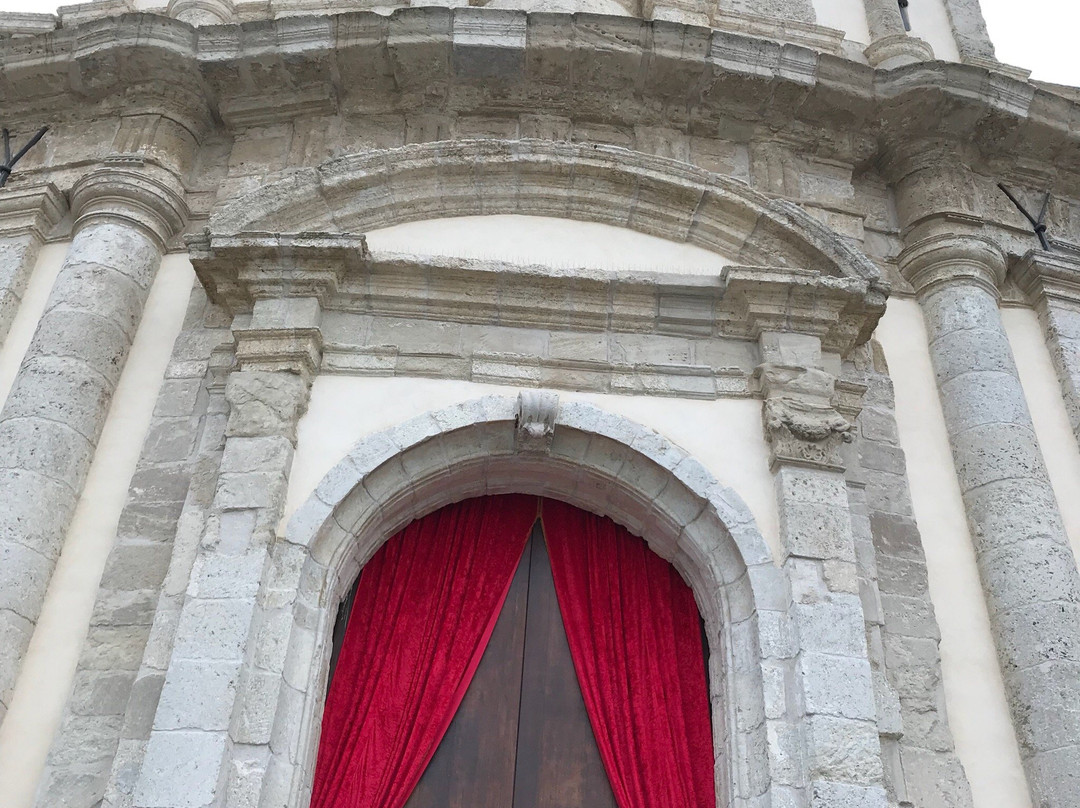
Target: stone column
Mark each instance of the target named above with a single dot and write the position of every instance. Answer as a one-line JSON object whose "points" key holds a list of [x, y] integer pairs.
{"points": [[125, 211], [204, 748], [842, 763], [1028, 571], [1052, 283], [969, 30], [26, 217], [890, 45]]}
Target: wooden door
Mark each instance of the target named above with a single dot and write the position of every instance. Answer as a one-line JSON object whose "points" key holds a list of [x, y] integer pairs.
{"points": [[521, 737]]}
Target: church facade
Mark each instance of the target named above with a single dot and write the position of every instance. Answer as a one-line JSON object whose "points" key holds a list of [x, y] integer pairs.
{"points": [[791, 291]]}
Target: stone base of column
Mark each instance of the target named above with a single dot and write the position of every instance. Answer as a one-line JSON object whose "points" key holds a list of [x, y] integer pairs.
{"points": [[898, 50]]}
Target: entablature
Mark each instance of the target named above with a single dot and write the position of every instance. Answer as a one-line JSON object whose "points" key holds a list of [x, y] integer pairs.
{"points": [[693, 79], [338, 270]]}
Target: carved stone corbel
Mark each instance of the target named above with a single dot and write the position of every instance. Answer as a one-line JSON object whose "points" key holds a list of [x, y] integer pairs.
{"points": [[801, 421], [535, 422]]}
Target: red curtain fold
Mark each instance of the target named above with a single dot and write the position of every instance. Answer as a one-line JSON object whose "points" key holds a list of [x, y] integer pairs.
{"points": [[424, 611], [635, 638]]}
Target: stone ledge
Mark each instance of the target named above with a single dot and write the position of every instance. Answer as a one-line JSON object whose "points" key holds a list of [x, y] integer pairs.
{"points": [[741, 302], [645, 64]]}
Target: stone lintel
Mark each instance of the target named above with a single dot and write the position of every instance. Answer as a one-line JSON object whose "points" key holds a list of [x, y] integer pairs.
{"points": [[953, 259], [31, 209], [1051, 275], [743, 302]]}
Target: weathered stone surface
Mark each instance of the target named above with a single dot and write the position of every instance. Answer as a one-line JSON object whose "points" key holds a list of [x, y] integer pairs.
{"points": [[1037, 630]]}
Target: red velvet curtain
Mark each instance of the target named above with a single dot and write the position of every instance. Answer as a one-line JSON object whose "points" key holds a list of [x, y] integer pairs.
{"points": [[635, 638], [424, 611]]}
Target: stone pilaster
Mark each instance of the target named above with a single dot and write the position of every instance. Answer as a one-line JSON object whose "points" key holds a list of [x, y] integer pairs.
{"points": [[125, 211], [1052, 283], [969, 30], [805, 433], [201, 725], [26, 217], [1028, 571]]}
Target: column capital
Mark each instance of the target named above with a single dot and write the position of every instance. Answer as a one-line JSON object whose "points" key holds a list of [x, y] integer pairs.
{"points": [[1054, 276], [134, 190], [802, 424], [953, 258], [32, 209], [897, 50]]}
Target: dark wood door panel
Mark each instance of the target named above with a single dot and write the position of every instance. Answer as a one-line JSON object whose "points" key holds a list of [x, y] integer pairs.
{"points": [[474, 765], [558, 763]]}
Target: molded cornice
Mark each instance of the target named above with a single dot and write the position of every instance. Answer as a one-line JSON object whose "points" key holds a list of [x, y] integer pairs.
{"points": [[626, 69], [741, 303]]}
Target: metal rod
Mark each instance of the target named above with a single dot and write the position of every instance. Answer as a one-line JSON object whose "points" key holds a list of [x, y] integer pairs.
{"points": [[904, 14], [1038, 225], [9, 161]]}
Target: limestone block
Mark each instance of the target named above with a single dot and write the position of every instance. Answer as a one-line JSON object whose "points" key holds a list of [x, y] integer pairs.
{"points": [[176, 767], [213, 630], [826, 794], [832, 627], [837, 686], [843, 750], [264, 403], [198, 694]]}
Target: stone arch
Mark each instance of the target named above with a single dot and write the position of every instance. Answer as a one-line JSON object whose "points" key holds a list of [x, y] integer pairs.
{"points": [[600, 183], [586, 456]]}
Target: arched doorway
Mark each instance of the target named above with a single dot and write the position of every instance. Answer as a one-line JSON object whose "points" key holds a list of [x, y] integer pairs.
{"points": [[592, 672]]}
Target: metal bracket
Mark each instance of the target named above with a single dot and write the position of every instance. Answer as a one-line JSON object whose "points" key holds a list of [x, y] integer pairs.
{"points": [[1037, 223], [904, 14], [9, 161]]}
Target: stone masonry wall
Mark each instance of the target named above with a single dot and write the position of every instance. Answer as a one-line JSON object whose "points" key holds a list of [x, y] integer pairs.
{"points": [[120, 671], [921, 766]]}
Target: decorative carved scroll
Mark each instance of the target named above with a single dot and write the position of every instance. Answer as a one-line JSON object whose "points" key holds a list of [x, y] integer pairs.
{"points": [[536, 421], [800, 417]]}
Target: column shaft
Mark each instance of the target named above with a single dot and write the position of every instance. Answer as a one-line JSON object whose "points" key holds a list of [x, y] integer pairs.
{"points": [[53, 417], [1028, 571]]}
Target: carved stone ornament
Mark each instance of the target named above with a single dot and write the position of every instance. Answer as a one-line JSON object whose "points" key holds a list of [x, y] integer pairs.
{"points": [[535, 423], [800, 417]]}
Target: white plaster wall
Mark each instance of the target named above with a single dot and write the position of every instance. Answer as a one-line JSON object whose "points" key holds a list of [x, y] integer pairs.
{"points": [[1043, 393], [560, 243], [974, 691], [848, 16], [45, 679], [725, 436], [32, 306], [930, 21]]}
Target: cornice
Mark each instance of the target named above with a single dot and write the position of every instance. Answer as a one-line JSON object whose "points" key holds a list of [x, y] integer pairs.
{"points": [[741, 302], [691, 77], [1050, 276], [133, 190], [31, 209]]}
